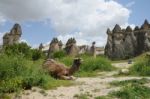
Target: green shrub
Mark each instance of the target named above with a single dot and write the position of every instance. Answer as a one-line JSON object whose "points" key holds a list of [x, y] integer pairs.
{"points": [[22, 49], [94, 64], [66, 60], [18, 49], [133, 91], [90, 65], [11, 85], [132, 81], [37, 54], [59, 54], [104, 97], [141, 67], [11, 66], [16, 73]]}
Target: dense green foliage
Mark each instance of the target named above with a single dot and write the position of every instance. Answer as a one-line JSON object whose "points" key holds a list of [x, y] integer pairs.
{"points": [[19, 70], [132, 81], [89, 65], [104, 97], [133, 91], [22, 49], [130, 89], [17, 73], [59, 54], [36, 54], [141, 67]]}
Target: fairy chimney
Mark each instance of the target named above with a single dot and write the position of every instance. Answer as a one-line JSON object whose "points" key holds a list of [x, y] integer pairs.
{"points": [[13, 36], [71, 47], [128, 43], [41, 47]]}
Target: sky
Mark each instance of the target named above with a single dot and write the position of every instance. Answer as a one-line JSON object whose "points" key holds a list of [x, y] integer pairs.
{"points": [[86, 20]]}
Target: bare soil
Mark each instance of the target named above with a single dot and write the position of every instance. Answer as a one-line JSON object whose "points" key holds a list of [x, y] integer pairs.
{"points": [[91, 86]]}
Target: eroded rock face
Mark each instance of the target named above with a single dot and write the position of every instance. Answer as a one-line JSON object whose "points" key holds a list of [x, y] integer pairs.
{"points": [[53, 47], [13, 36], [126, 43], [71, 47], [147, 41], [108, 47], [129, 43], [41, 47]]}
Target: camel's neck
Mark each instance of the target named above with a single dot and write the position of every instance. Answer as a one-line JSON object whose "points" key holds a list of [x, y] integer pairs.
{"points": [[73, 69]]}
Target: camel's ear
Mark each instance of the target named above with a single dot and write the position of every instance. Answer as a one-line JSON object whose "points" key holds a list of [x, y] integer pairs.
{"points": [[80, 59], [76, 58]]}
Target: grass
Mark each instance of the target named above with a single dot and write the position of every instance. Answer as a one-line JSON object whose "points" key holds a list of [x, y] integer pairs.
{"points": [[129, 82], [103, 97], [118, 61], [17, 73], [130, 89], [4, 96], [133, 91], [141, 67], [86, 95], [90, 66], [81, 96]]}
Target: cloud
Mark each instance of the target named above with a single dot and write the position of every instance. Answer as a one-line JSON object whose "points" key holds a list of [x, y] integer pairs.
{"points": [[67, 17], [130, 4], [81, 40], [24, 41]]}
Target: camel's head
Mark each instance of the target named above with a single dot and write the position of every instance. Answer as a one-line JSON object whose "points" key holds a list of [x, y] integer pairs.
{"points": [[77, 62], [76, 65]]}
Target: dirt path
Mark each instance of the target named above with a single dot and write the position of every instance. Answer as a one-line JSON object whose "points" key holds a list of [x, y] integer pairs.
{"points": [[95, 86]]}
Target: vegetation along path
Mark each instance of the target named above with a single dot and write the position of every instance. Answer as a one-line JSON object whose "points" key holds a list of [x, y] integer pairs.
{"points": [[90, 87]]}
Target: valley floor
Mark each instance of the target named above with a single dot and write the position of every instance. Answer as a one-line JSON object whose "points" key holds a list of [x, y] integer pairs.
{"points": [[89, 86]]}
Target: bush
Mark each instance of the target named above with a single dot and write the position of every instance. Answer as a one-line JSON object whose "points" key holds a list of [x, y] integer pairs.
{"points": [[11, 85], [22, 49], [90, 65], [66, 60], [16, 72], [11, 66], [37, 54], [133, 91], [94, 64], [141, 67], [59, 54], [18, 49], [129, 82]]}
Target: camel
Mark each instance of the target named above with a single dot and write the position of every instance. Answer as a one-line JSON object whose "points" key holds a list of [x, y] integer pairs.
{"points": [[59, 70]]}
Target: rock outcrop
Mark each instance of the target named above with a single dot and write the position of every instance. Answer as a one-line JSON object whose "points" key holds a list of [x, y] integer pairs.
{"points": [[41, 47], [71, 47], [126, 43], [54, 46], [13, 36]]}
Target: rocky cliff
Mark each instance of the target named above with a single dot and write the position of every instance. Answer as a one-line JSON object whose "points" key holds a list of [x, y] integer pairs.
{"points": [[71, 47], [13, 36], [127, 43]]}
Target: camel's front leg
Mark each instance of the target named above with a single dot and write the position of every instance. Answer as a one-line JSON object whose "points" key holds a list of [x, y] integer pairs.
{"points": [[65, 77], [73, 78]]}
